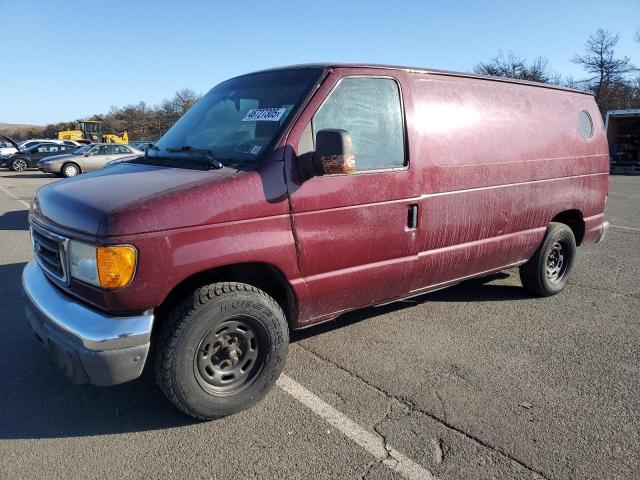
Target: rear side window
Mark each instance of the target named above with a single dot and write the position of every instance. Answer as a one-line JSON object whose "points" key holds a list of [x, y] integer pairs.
{"points": [[369, 108], [120, 149]]}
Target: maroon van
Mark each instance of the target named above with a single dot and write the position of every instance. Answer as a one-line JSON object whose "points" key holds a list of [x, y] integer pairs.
{"points": [[287, 197]]}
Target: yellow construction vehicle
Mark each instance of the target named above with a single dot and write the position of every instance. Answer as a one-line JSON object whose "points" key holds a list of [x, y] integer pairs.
{"points": [[90, 131]]}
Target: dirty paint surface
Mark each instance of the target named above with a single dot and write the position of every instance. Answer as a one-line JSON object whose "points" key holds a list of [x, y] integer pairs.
{"points": [[488, 165]]}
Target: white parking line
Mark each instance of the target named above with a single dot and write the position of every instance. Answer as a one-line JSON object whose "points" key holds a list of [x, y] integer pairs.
{"points": [[22, 202], [626, 228], [371, 442]]}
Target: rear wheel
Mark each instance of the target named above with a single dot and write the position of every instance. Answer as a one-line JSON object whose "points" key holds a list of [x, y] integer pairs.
{"points": [[221, 350], [547, 272], [19, 165], [70, 170]]}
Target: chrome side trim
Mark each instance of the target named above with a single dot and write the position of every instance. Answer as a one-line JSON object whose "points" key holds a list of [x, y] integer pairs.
{"points": [[603, 232], [515, 184], [96, 330]]}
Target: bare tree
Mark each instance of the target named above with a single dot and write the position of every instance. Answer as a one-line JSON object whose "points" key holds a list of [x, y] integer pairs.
{"points": [[515, 66], [600, 61]]}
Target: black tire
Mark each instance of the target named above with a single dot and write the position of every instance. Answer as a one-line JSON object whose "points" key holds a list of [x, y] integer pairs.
{"points": [[19, 164], [547, 272], [70, 170], [190, 343]]}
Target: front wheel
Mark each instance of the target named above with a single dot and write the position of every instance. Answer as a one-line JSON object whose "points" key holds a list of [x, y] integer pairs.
{"points": [[70, 170], [221, 350], [19, 165], [547, 272]]}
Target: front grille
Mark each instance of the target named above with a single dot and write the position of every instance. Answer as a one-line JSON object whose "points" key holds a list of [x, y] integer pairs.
{"points": [[49, 251]]}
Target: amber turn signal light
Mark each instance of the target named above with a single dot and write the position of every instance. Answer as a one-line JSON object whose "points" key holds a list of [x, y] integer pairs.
{"points": [[116, 265]]}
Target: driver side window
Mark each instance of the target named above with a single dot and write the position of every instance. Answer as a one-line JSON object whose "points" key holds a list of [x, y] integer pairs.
{"points": [[369, 108]]}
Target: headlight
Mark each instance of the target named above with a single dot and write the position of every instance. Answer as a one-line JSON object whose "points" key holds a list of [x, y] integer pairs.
{"points": [[107, 267]]}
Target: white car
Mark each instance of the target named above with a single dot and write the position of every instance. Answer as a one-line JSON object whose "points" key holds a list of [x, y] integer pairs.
{"points": [[34, 141], [7, 146]]}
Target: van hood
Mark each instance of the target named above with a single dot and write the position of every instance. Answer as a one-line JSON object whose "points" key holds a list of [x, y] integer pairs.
{"points": [[126, 199]]}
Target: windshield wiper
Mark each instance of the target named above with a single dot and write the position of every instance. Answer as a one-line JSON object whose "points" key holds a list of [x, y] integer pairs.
{"points": [[208, 154]]}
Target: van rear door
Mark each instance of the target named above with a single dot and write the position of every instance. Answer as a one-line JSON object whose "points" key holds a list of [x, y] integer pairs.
{"points": [[354, 232]]}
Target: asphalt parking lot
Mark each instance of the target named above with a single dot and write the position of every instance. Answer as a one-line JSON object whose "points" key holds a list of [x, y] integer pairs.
{"points": [[480, 380]]}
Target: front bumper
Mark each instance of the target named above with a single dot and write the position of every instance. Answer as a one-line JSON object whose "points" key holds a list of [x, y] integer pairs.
{"points": [[49, 167], [89, 346]]}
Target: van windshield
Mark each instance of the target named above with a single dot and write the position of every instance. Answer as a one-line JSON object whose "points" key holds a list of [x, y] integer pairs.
{"points": [[239, 119]]}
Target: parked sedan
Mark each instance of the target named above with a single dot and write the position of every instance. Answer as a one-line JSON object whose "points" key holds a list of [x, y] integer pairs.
{"points": [[29, 158], [87, 158]]}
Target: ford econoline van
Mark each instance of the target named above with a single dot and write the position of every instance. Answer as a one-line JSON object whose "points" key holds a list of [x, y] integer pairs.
{"points": [[287, 197]]}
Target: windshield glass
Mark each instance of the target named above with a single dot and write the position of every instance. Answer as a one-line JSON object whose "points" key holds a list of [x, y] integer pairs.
{"points": [[239, 119], [82, 150]]}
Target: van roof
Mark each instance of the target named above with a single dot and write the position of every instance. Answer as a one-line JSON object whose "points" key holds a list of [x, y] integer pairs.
{"points": [[432, 71]]}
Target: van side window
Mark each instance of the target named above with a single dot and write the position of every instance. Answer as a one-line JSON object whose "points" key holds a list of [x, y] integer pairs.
{"points": [[369, 108]]}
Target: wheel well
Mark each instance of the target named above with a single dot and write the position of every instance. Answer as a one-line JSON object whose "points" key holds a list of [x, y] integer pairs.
{"points": [[72, 163], [264, 276], [573, 219]]}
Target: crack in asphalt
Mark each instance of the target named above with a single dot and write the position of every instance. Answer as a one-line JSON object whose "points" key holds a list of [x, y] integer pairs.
{"points": [[444, 408], [388, 460], [415, 409]]}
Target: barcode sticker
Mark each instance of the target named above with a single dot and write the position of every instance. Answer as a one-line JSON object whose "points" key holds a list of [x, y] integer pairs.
{"points": [[264, 114]]}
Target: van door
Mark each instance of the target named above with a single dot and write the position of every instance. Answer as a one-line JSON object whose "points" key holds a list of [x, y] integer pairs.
{"points": [[355, 240]]}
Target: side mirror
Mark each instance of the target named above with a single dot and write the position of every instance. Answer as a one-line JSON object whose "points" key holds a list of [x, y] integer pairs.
{"points": [[334, 152], [333, 155]]}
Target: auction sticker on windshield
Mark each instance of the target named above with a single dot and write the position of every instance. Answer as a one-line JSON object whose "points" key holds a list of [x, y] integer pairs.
{"points": [[264, 114]]}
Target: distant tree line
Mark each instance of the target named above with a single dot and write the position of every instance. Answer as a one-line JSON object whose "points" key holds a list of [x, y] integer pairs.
{"points": [[141, 121], [614, 81]]}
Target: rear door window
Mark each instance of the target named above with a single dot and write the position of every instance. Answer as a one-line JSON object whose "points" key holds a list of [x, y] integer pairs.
{"points": [[370, 109], [119, 149]]}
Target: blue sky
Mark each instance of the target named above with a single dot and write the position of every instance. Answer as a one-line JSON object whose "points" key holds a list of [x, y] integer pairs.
{"points": [[66, 60]]}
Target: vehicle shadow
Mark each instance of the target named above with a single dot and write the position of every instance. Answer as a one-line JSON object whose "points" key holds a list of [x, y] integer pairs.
{"points": [[473, 290], [15, 220], [37, 401], [33, 174]]}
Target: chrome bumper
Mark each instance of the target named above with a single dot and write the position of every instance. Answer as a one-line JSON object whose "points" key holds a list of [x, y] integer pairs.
{"points": [[603, 232], [90, 346]]}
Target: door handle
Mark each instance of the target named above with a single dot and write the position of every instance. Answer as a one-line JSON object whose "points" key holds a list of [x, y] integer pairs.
{"points": [[412, 216]]}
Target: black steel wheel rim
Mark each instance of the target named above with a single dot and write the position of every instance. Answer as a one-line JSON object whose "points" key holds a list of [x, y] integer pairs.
{"points": [[19, 165], [230, 355], [557, 261]]}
